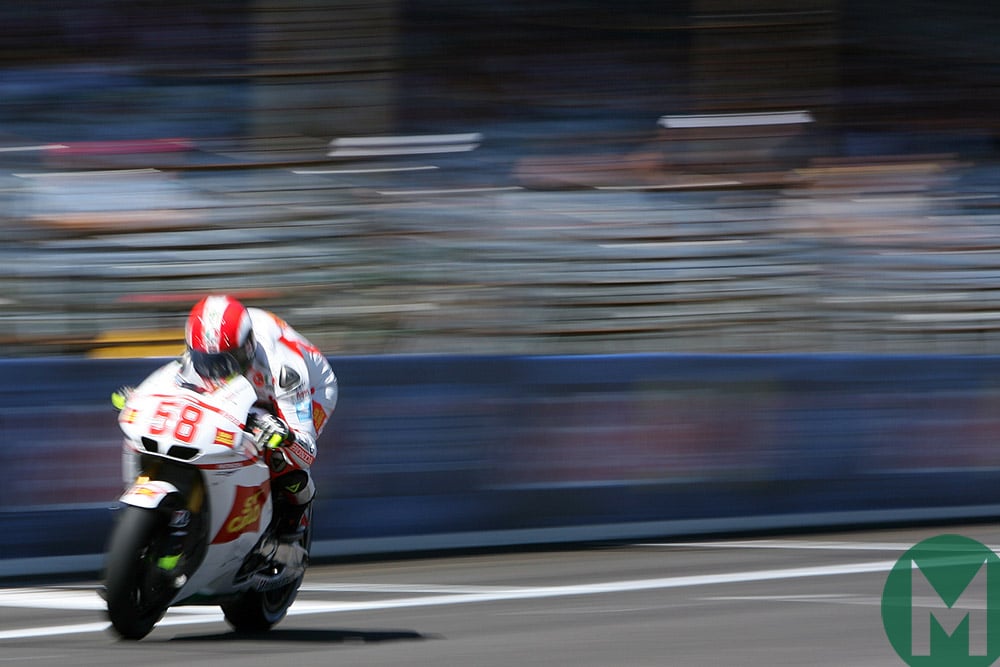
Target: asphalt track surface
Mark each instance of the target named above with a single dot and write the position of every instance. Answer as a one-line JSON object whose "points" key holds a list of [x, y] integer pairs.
{"points": [[788, 600]]}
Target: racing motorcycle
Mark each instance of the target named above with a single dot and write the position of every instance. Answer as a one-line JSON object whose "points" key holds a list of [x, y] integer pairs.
{"points": [[194, 526]]}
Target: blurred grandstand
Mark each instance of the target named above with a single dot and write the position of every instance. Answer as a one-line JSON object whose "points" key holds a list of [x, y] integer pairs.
{"points": [[651, 209]]}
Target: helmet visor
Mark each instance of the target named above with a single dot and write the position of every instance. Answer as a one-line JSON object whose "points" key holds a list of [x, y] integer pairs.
{"points": [[215, 366]]}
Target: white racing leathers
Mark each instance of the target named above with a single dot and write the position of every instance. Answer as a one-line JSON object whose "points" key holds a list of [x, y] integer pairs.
{"points": [[294, 381]]}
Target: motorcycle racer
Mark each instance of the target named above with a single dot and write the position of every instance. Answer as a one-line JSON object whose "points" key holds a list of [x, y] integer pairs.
{"points": [[293, 380]]}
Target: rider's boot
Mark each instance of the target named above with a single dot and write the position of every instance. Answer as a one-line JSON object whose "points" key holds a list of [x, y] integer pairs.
{"points": [[288, 524], [285, 545]]}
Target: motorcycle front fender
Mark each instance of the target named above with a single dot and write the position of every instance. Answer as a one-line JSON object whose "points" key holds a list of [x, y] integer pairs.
{"points": [[148, 493]]}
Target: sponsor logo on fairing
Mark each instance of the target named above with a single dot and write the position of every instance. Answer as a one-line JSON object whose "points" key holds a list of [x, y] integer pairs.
{"points": [[245, 513], [226, 438]]}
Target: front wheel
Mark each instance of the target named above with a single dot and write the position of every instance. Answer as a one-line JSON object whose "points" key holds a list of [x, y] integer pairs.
{"points": [[136, 591]]}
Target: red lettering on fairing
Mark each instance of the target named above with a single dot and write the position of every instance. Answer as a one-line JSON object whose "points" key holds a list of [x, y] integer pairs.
{"points": [[245, 513]]}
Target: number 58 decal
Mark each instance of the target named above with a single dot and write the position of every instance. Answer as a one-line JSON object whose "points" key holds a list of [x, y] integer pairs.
{"points": [[184, 420]]}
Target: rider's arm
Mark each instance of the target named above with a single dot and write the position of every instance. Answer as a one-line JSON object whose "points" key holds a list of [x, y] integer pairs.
{"points": [[293, 403]]}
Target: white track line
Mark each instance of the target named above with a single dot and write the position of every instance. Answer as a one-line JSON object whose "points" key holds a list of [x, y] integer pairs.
{"points": [[832, 598], [307, 607], [404, 588]]}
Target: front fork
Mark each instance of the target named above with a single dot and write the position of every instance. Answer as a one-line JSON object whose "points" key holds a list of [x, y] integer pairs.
{"points": [[178, 491]]}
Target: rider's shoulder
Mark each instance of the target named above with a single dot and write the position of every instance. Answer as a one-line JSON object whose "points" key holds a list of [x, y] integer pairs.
{"points": [[265, 320]]}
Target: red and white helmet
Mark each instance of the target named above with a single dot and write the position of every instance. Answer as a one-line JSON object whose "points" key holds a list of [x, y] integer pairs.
{"points": [[219, 337]]}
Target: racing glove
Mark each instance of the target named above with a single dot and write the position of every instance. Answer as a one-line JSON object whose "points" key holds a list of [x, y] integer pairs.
{"points": [[120, 396], [271, 431]]}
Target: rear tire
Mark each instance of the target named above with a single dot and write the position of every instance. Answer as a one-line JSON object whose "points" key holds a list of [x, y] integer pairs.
{"points": [[137, 596], [257, 612]]}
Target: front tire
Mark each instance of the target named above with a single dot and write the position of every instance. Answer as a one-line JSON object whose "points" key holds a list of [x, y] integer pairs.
{"points": [[137, 594]]}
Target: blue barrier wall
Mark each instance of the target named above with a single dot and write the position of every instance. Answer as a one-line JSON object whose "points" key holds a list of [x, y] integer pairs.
{"points": [[437, 452]]}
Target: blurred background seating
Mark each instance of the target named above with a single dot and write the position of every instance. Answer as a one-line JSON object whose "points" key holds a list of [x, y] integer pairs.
{"points": [[621, 193]]}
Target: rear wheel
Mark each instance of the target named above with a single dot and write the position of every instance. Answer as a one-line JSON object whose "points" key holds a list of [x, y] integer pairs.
{"points": [[256, 612], [137, 591]]}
